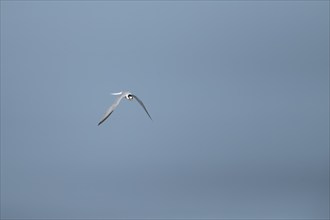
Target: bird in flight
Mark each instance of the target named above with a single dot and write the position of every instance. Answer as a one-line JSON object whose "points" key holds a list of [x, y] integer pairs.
{"points": [[127, 95]]}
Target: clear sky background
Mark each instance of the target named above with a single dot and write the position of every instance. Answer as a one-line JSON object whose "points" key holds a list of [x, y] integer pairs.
{"points": [[239, 94]]}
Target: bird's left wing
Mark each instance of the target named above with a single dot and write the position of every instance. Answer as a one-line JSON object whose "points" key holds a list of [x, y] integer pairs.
{"points": [[141, 103]]}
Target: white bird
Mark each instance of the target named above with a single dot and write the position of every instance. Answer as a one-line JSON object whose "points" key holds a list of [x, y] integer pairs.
{"points": [[127, 95]]}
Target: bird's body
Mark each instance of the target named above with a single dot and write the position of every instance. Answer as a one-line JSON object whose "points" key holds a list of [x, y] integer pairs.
{"points": [[127, 95]]}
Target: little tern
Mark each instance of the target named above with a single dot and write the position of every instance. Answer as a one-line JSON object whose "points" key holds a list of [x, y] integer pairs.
{"points": [[127, 95]]}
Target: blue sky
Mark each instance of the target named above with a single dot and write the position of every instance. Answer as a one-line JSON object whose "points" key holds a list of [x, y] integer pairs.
{"points": [[239, 94]]}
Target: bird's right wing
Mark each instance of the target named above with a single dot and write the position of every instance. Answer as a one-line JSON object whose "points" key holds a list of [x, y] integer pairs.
{"points": [[111, 109]]}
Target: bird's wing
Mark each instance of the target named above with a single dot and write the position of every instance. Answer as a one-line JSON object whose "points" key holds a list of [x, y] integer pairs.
{"points": [[111, 109], [141, 103]]}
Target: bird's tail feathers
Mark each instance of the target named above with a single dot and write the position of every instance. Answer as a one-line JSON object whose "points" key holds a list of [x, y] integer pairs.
{"points": [[116, 93]]}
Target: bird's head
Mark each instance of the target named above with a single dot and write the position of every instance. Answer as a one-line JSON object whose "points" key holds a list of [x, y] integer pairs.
{"points": [[129, 97]]}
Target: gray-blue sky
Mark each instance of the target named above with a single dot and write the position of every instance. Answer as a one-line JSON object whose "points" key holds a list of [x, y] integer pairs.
{"points": [[238, 92]]}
